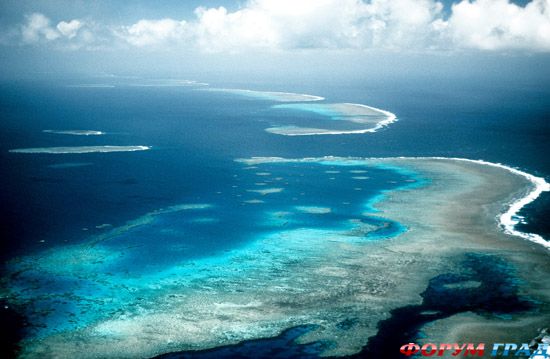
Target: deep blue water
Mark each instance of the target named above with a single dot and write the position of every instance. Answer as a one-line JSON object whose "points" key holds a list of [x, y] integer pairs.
{"points": [[196, 136], [51, 200]]}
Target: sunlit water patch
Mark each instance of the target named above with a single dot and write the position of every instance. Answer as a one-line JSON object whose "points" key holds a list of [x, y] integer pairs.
{"points": [[229, 250]]}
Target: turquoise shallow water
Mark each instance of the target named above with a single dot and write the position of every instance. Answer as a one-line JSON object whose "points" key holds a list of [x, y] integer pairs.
{"points": [[329, 119], [69, 287], [103, 235]]}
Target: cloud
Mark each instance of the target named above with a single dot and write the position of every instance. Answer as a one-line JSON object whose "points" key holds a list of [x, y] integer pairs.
{"points": [[275, 25], [154, 32], [217, 30], [69, 29], [378, 24], [38, 28], [288, 24], [498, 24]]}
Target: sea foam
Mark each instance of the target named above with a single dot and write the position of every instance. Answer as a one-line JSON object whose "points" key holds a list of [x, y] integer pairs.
{"points": [[80, 149], [372, 118], [507, 220], [76, 132]]}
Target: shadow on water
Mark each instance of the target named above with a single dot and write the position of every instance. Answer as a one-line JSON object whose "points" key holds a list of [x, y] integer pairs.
{"points": [[282, 346], [485, 285], [11, 330]]}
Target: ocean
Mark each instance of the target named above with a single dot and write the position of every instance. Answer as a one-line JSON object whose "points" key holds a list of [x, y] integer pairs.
{"points": [[187, 198]]}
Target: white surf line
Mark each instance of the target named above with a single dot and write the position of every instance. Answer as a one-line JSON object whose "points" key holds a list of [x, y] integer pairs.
{"points": [[507, 220], [391, 118], [80, 149], [76, 132], [280, 97]]}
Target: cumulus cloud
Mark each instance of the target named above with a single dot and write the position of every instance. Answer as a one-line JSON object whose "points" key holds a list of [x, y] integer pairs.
{"points": [[499, 24], [327, 24], [37, 28], [218, 30], [360, 24], [69, 29], [154, 32], [288, 24]]}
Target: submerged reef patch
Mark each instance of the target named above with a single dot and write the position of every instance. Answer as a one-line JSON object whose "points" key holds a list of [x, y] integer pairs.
{"points": [[448, 294], [76, 132], [201, 276], [328, 119], [345, 118], [80, 149], [269, 95]]}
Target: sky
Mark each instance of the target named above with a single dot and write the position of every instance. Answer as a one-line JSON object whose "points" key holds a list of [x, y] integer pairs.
{"points": [[63, 37]]}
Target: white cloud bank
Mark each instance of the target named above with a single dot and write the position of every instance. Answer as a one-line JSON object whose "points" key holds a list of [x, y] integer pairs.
{"points": [[69, 29], [332, 24], [38, 27], [153, 32], [497, 24]]}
